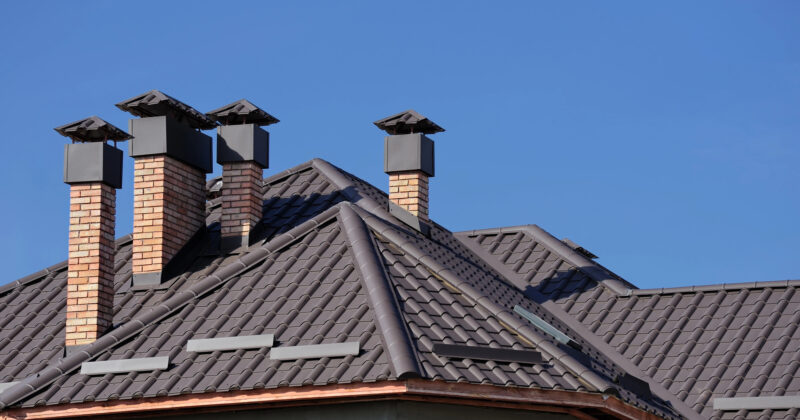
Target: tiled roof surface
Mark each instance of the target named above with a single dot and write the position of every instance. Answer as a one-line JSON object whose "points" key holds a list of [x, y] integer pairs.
{"points": [[701, 343], [330, 265]]}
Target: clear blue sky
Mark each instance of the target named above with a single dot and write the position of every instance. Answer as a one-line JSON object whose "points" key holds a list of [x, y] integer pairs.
{"points": [[664, 137]]}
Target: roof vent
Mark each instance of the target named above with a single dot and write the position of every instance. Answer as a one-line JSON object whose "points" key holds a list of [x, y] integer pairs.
{"points": [[579, 249]]}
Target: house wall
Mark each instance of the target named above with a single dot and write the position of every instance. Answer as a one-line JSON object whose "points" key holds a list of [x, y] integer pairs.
{"points": [[379, 410]]}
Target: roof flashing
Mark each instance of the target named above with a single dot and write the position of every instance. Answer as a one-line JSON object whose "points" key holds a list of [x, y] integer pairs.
{"points": [[408, 219]]}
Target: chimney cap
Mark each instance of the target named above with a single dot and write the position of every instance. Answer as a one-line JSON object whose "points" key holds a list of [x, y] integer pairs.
{"points": [[408, 122], [156, 103], [92, 129], [241, 112]]}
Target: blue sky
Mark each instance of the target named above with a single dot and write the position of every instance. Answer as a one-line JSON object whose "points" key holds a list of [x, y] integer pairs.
{"points": [[664, 137]]}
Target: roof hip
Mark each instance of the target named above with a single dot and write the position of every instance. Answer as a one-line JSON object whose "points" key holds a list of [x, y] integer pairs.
{"points": [[383, 302], [502, 314]]}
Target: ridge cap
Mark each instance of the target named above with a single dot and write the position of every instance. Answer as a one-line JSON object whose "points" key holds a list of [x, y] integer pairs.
{"points": [[394, 334]]}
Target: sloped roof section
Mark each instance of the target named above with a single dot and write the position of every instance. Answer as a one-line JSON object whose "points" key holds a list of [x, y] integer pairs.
{"points": [[701, 343], [329, 265]]}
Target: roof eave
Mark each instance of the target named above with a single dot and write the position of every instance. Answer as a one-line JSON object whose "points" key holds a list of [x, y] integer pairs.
{"points": [[531, 399]]}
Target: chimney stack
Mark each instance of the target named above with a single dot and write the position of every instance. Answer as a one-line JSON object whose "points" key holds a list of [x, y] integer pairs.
{"points": [[243, 152], [409, 160], [93, 170], [171, 160]]}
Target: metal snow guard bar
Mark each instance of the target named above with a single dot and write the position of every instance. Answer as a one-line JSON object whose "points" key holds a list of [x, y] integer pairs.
{"points": [[757, 403], [124, 365], [205, 345], [315, 351]]}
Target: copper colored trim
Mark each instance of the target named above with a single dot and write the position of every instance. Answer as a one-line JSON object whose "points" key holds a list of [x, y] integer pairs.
{"points": [[568, 402]]}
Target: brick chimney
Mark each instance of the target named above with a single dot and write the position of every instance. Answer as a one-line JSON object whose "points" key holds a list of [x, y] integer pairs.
{"points": [[93, 170], [171, 160], [409, 160], [243, 152]]}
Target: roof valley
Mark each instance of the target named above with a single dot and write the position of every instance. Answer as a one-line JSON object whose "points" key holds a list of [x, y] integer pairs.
{"points": [[582, 330], [385, 230]]}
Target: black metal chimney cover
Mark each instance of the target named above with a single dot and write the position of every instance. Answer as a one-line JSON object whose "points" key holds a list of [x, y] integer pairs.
{"points": [[408, 122], [156, 103], [92, 129], [242, 112]]}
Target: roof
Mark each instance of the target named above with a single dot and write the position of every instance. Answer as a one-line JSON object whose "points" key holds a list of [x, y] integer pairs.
{"points": [[331, 265], [702, 343]]}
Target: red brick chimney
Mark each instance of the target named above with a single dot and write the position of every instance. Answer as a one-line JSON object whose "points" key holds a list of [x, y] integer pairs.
{"points": [[243, 152], [409, 160], [93, 170], [171, 160]]}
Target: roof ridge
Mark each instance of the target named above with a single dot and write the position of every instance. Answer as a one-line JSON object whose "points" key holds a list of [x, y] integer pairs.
{"points": [[577, 368], [349, 189], [713, 287], [591, 268], [379, 294], [582, 331], [71, 362]]}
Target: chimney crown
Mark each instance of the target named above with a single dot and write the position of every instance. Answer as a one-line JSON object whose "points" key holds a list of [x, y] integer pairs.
{"points": [[156, 103], [92, 129], [408, 122], [242, 112]]}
